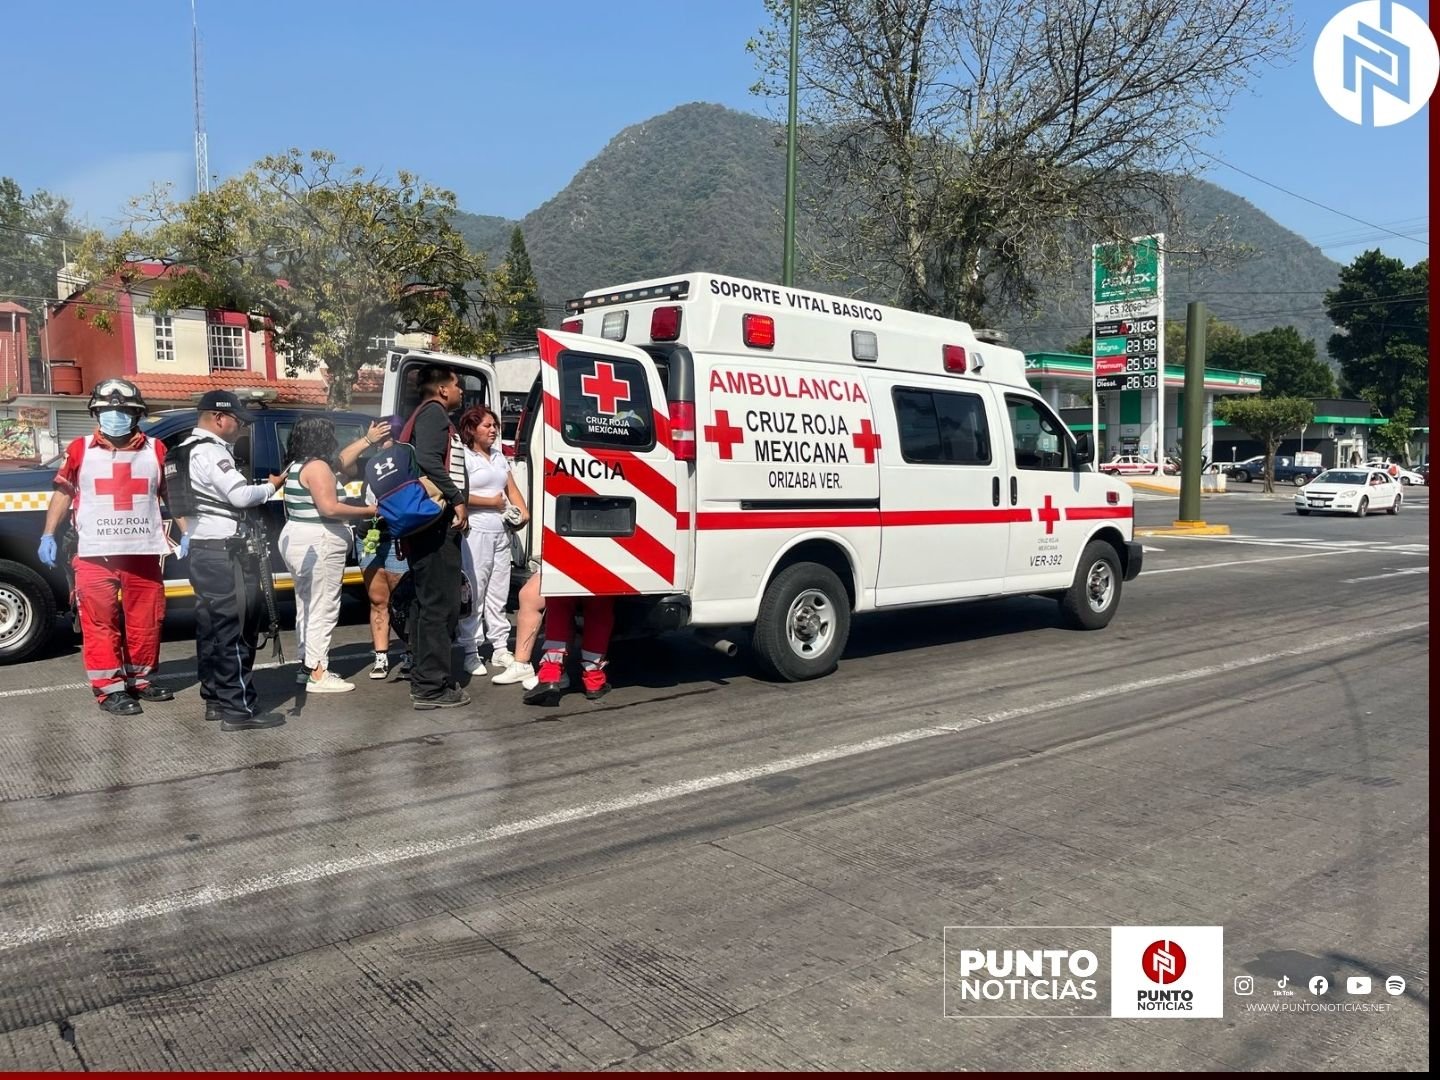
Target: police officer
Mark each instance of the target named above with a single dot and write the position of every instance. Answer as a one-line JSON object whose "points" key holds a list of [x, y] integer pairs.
{"points": [[111, 483], [225, 577]]}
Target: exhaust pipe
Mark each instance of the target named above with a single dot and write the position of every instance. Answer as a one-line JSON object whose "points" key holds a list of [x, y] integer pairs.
{"points": [[719, 644]]}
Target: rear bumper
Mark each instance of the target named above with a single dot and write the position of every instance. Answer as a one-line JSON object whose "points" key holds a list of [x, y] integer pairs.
{"points": [[1134, 559]]}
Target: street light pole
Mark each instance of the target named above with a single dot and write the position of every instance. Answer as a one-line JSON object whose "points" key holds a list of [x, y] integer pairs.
{"points": [[787, 273]]}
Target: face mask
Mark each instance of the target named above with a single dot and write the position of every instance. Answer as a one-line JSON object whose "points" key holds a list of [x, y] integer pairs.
{"points": [[117, 423]]}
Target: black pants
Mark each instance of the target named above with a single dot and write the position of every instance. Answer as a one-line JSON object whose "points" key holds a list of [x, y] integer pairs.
{"points": [[434, 557], [228, 607]]}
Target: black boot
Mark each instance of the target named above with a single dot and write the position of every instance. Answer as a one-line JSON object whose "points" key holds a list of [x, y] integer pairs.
{"points": [[213, 711], [154, 693], [120, 704]]}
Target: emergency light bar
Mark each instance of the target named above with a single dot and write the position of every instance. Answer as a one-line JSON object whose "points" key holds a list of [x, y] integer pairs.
{"points": [[674, 290]]}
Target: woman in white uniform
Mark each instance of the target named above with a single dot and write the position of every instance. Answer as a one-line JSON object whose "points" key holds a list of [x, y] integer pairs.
{"points": [[487, 545]]}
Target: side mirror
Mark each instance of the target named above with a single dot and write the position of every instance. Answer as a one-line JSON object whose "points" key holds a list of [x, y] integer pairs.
{"points": [[1084, 451]]}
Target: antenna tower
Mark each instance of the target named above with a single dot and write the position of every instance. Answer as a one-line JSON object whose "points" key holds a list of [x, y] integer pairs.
{"points": [[202, 147]]}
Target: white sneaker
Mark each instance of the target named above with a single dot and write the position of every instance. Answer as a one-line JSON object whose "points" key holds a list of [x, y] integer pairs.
{"points": [[329, 683], [514, 672], [381, 668], [502, 659], [530, 682], [474, 665]]}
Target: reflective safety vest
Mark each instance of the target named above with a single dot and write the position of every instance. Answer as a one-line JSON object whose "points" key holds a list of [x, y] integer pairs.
{"points": [[117, 509]]}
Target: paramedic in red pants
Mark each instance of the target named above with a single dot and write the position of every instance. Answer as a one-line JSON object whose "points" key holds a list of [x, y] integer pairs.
{"points": [[599, 613], [112, 482]]}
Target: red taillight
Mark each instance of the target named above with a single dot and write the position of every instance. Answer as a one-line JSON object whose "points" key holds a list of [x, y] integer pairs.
{"points": [[955, 359], [572, 326], [682, 429], [665, 324], [759, 331]]}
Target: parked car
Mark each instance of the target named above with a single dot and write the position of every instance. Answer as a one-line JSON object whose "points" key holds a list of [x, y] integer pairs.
{"points": [[32, 595], [1406, 476], [1424, 471], [1129, 465], [1286, 471], [1350, 491]]}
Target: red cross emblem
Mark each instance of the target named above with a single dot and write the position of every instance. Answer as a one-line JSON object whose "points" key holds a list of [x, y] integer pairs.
{"points": [[1049, 515], [605, 388], [723, 434], [122, 487], [867, 439]]}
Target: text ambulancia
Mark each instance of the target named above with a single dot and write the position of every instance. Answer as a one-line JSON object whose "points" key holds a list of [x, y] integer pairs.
{"points": [[729, 453]]}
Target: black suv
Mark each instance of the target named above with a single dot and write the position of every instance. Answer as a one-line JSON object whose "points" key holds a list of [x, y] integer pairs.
{"points": [[31, 595]]}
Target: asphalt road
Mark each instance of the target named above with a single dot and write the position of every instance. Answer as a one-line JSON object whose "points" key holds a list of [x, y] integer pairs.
{"points": [[706, 870]]}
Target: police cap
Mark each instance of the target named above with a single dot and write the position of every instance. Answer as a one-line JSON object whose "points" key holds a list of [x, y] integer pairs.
{"points": [[226, 402]]}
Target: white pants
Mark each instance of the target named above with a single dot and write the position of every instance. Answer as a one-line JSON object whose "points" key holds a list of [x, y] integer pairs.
{"points": [[315, 554], [487, 564]]}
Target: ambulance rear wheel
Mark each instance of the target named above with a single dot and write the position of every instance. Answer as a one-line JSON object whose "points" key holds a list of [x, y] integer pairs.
{"points": [[1091, 600], [804, 623]]}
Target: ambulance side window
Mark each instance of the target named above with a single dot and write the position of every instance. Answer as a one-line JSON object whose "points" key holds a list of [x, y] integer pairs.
{"points": [[942, 428], [605, 401], [1041, 441]]}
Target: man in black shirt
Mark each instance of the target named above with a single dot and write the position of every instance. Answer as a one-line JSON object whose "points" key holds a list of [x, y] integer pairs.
{"points": [[434, 553]]}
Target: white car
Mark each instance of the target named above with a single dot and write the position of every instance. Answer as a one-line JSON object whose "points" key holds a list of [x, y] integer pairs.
{"points": [[1402, 474], [1350, 491]]}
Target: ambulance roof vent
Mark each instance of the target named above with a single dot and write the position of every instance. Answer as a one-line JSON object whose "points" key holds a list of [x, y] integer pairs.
{"points": [[671, 290], [992, 337]]}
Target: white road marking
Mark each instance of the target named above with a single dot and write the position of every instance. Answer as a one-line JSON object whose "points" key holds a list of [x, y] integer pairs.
{"points": [[1390, 574], [1237, 562], [1148, 548], [205, 895]]}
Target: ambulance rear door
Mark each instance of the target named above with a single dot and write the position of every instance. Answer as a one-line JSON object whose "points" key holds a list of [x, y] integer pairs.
{"points": [[609, 472]]}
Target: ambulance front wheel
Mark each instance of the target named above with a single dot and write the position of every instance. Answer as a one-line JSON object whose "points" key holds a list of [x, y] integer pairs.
{"points": [[1091, 600], [804, 623]]}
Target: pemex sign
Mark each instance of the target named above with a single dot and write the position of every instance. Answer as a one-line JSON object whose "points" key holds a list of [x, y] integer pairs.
{"points": [[1127, 271]]}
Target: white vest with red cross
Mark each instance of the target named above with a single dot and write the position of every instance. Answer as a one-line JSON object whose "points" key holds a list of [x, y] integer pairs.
{"points": [[117, 506]]}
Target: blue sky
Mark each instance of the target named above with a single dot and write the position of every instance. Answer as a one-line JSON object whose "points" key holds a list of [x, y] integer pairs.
{"points": [[504, 103]]}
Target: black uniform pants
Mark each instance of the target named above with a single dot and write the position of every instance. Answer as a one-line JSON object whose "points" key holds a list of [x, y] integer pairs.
{"points": [[228, 607], [434, 557]]}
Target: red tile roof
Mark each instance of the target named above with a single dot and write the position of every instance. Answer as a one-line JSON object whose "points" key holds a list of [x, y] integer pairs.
{"points": [[181, 388]]}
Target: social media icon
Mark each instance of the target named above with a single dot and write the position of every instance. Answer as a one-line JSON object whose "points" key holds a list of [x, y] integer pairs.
{"points": [[1395, 985], [1357, 984], [1284, 982], [1319, 984], [1244, 985]]}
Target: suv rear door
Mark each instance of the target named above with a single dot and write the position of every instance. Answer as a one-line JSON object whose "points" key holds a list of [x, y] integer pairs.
{"points": [[610, 477], [400, 393]]}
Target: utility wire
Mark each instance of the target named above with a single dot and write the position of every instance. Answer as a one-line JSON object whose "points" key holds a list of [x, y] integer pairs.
{"points": [[1313, 202]]}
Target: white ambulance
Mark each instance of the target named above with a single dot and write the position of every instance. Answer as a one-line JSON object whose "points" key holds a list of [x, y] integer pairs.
{"points": [[728, 453]]}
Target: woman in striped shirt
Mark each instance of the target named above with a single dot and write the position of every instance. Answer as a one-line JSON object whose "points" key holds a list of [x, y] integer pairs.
{"points": [[316, 541]]}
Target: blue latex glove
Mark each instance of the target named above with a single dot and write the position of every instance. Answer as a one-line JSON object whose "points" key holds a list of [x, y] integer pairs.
{"points": [[184, 547], [47, 551]]}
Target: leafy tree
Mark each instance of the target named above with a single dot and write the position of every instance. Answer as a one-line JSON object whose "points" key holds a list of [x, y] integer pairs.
{"points": [[521, 294], [36, 235], [326, 256], [1383, 311], [1287, 361], [971, 148], [1392, 439], [1221, 339], [1269, 420]]}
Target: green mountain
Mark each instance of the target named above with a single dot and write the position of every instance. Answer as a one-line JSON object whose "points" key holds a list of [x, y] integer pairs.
{"points": [[702, 187]]}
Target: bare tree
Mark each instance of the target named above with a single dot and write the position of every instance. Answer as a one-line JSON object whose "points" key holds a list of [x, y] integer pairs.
{"points": [[968, 150]]}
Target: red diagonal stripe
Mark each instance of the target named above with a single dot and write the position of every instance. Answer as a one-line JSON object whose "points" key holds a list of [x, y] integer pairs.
{"points": [[579, 567], [549, 349], [643, 545], [653, 484]]}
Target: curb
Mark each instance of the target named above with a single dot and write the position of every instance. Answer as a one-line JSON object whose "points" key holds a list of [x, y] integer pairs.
{"points": [[1186, 528]]}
